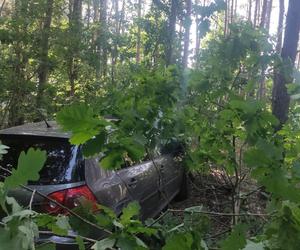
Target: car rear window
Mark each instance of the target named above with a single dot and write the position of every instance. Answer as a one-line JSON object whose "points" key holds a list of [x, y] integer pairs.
{"points": [[64, 162]]}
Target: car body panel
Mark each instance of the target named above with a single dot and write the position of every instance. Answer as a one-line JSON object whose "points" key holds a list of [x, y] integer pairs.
{"points": [[107, 186], [142, 181], [171, 175]]}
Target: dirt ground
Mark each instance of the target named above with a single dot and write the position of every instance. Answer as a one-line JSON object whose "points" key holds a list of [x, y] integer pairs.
{"points": [[215, 196]]}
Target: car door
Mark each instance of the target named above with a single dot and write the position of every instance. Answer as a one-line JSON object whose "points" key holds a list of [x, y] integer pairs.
{"points": [[142, 181], [109, 189], [171, 174]]}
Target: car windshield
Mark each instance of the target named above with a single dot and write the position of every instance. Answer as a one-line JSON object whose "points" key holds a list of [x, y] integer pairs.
{"points": [[64, 163]]}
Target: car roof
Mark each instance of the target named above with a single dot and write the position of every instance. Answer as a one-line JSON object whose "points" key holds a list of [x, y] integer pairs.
{"points": [[37, 129]]}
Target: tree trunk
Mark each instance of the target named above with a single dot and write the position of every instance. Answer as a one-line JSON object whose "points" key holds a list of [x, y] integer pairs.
{"points": [[226, 18], [235, 9], [249, 11], [280, 26], [2, 7], [16, 114], [280, 97], [198, 38], [44, 62], [114, 55], [102, 39], [171, 33], [232, 11], [264, 14], [75, 40], [187, 27], [268, 17], [88, 14], [138, 38], [256, 13], [96, 10]]}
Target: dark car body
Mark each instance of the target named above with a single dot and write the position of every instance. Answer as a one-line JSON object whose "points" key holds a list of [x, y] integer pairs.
{"points": [[153, 183]]}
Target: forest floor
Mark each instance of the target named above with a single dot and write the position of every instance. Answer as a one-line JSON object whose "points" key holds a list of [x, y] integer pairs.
{"points": [[211, 192]]}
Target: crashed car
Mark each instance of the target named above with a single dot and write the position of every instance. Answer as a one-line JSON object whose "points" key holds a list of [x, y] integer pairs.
{"points": [[67, 176]]}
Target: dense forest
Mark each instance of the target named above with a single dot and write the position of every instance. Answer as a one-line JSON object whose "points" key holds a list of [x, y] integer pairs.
{"points": [[222, 78]]}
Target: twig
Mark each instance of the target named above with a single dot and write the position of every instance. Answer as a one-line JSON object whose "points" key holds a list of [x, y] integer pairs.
{"points": [[159, 218], [31, 199], [218, 234], [159, 175], [252, 192], [69, 236], [217, 213]]}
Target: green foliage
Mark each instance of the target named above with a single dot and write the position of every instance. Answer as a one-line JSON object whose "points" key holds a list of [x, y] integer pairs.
{"points": [[104, 244], [283, 233], [236, 240], [81, 121], [179, 241], [144, 105], [28, 168]]}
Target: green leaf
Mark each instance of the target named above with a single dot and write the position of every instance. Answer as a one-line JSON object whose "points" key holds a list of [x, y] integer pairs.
{"points": [[236, 240], [46, 246], [81, 121], [113, 159], [107, 243], [126, 242], [135, 150], [182, 241], [29, 166], [254, 245], [8, 242], [80, 243], [61, 226], [94, 145], [129, 212]]}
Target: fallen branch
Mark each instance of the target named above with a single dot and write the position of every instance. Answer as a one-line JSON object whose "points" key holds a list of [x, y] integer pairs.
{"points": [[217, 213]]}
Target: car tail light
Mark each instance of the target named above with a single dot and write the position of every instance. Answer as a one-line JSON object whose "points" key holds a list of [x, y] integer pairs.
{"points": [[69, 198]]}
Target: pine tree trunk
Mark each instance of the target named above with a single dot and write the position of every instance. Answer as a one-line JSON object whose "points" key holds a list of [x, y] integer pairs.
{"points": [[16, 114], [256, 13], [198, 38], [250, 11], [232, 12], [280, 98], [264, 14], [187, 22], [268, 17], [103, 37], [96, 10], [115, 52], [75, 40], [88, 14], [226, 18], [171, 33], [138, 39], [44, 62], [235, 9], [280, 26]]}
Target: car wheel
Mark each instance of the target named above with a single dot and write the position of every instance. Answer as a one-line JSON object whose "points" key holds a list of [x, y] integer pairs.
{"points": [[183, 192]]}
